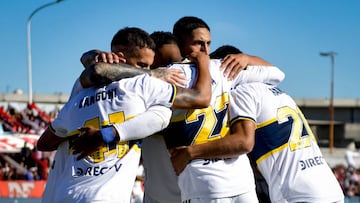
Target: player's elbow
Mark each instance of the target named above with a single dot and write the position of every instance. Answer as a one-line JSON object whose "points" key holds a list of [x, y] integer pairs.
{"points": [[40, 146], [86, 76], [204, 101], [48, 141], [45, 147], [248, 147], [249, 143], [244, 142], [95, 75], [193, 99], [243, 147]]}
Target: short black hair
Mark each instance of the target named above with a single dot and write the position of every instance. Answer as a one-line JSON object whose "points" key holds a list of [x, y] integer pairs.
{"points": [[162, 37], [185, 26], [133, 37], [223, 51]]}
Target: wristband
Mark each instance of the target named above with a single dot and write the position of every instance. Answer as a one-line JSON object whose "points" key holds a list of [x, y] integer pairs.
{"points": [[107, 134]]}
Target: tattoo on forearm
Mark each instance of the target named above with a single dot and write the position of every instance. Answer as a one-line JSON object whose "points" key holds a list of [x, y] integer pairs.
{"points": [[119, 71], [104, 73], [185, 96]]}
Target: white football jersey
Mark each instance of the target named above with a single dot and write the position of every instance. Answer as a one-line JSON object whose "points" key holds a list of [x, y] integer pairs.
{"points": [[285, 149], [201, 177], [109, 173]]}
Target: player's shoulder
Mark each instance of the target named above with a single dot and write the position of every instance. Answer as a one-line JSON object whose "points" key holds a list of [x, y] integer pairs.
{"points": [[253, 88]]}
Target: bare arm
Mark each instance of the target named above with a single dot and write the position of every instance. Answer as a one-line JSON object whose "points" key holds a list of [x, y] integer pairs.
{"points": [[240, 141], [48, 141], [197, 97], [103, 73], [234, 63], [107, 73], [94, 56]]}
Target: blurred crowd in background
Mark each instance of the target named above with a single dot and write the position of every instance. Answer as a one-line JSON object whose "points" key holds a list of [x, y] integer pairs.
{"points": [[27, 163]]}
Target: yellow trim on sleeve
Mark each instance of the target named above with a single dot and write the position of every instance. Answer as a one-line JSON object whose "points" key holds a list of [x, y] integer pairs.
{"points": [[240, 119], [276, 150], [266, 123]]}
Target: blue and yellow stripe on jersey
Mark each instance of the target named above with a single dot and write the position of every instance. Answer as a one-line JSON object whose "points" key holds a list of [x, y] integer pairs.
{"points": [[271, 137]]}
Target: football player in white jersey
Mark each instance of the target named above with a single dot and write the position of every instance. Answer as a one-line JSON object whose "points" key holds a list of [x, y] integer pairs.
{"points": [[285, 150], [239, 186], [267, 122], [107, 174]]}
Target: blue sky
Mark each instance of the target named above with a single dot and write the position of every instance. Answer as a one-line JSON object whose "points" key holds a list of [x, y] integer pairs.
{"points": [[289, 34]]}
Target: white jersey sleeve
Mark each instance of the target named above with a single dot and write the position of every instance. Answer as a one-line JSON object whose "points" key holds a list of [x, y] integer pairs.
{"points": [[130, 130], [244, 103], [266, 74]]}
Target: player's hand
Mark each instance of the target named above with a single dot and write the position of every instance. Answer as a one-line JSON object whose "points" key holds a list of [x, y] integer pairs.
{"points": [[180, 157], [200, 58], [95, 56], [233, 64], [110, 57], [170, 75], [89, 141]]}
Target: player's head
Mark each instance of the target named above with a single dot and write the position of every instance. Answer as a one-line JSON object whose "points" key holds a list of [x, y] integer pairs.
{"points": [[223, 51], [167, 50], [193, 35], [135, 45]]}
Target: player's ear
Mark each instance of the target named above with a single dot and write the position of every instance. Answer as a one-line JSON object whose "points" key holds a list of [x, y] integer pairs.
{"points": [[122, 58]]}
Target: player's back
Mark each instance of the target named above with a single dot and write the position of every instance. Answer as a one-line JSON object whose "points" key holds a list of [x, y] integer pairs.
{"points": [[285, 148]]}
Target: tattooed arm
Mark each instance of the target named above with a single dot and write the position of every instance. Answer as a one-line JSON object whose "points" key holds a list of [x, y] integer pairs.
{"points": [[94, 56], [200, 95], [197, 97], [103, 73]]}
